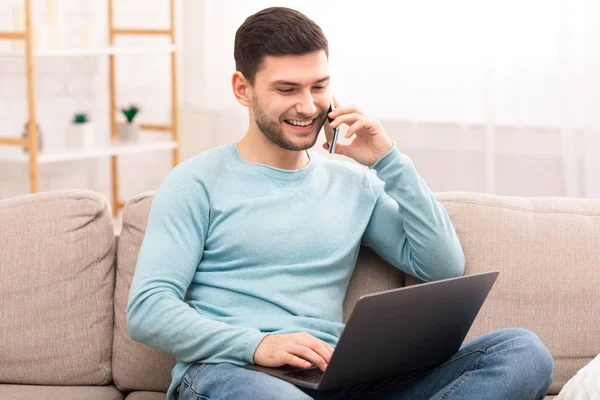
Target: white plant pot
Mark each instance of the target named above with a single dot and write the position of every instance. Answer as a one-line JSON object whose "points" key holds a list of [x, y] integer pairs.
{"points": [[128, 132], [81, 136]]}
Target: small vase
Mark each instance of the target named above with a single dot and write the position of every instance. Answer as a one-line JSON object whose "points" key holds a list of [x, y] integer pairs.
{"points": [[128, 132], [81, 136], [39, 134]]}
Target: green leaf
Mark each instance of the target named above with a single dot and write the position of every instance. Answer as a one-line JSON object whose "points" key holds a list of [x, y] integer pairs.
{"points": [[130, 112], [80, 118]]}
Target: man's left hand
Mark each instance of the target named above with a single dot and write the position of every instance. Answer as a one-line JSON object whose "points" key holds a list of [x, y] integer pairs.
{"points": [[371, 142]]}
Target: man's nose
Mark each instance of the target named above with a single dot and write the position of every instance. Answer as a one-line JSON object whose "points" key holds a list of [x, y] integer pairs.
{"points": [[306, 106]]}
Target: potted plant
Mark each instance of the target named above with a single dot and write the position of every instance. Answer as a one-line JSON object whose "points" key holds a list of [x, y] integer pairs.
{"points": [[129, 131], [81, 132]]}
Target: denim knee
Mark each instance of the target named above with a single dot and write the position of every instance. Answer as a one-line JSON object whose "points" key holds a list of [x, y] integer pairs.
{"points": [[537, 364], [228, 381]]}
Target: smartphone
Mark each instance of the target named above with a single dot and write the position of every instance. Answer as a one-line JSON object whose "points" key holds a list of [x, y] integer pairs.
{"points": [[331, 134]]}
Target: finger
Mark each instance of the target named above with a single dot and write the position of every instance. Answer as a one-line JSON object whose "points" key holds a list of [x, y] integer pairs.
{"points": [[296, 361], [345, 110], [323, 351], [355, 127], [330, 347], [336, 103], [309, 354], [319, 347], [345, 119], [342, 149]]}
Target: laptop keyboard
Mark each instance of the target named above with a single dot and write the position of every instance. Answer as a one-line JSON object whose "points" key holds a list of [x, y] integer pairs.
{"points": [[312, 375]]}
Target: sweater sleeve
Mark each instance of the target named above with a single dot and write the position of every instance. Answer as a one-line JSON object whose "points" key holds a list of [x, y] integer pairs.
{"points": [[157, 314], [408, 227]]}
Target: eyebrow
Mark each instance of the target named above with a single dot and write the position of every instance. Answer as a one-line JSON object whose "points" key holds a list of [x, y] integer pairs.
{"points": [[288, 83]]}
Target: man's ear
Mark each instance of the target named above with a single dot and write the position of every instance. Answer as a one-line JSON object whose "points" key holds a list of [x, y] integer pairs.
{"points": [[242, 89]]}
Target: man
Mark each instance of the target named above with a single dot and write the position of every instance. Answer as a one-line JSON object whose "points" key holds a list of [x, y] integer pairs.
{"points": [[250, 247]]}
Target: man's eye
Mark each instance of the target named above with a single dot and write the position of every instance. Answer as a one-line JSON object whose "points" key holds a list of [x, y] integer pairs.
{"points": [[319, 88], [286, 90]]}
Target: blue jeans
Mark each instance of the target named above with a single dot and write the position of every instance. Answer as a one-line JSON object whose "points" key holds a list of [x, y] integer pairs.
{"points": [[505, 364]]}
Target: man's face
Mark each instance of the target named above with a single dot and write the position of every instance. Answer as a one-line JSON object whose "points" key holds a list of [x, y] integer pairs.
{"points": [[290, 99]]}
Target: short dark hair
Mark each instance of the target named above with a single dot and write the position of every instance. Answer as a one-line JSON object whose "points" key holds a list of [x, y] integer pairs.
{"points": [[275, 31]]}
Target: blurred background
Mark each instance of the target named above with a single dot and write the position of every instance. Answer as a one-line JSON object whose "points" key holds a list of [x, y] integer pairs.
{"points": [[489, 96]]}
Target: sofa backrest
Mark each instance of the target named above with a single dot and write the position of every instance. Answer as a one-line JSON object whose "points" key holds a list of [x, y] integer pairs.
{"points": [[57, 269], [548, 253], [56, 289], [135, 365]]}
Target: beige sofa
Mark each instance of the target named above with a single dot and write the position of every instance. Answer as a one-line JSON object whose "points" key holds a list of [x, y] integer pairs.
{"points": [[64, 283]]}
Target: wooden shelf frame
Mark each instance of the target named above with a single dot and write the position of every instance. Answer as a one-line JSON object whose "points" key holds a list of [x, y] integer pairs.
{"points": [[31, 142], [173, 128]]}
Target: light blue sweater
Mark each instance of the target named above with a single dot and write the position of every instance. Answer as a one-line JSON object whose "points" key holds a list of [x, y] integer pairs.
{"points": [[234, 251]]}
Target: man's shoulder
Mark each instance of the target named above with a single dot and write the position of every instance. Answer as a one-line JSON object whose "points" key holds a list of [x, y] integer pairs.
{"points": [[205, 165], [201, 172], [353, 172], [208, 159]]}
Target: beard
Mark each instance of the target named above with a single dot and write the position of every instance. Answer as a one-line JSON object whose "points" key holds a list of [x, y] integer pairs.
{"points": [[273, 130]]}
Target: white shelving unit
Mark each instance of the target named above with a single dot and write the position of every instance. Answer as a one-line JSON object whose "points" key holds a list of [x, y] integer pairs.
{"points": [[12, 147], [115, 148], [99, 51]]}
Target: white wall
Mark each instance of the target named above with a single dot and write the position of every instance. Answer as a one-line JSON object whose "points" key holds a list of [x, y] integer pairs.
{"points": [[412, 60], [496, 97], [392, 59]]}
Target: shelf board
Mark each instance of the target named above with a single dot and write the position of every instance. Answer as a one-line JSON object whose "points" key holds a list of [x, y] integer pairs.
{"points": [[16, 154], [96, 51]]}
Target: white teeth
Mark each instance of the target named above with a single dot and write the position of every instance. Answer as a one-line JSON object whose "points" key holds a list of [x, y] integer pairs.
{"points": [[299, 123]]}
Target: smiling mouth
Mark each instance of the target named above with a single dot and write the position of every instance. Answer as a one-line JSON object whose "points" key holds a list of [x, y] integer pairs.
{"points": [[299, 123]]}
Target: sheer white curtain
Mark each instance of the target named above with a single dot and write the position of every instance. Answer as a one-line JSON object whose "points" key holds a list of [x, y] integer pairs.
{"points": [[508, 87]]}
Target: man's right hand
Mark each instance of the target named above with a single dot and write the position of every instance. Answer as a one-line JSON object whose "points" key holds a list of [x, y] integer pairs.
{"points": [[296, 349]]}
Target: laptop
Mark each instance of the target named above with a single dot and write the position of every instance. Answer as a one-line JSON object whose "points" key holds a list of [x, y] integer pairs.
{"points": [[398, 332]]}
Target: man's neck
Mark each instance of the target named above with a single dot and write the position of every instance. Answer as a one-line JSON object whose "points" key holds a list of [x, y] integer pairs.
{"points": [[255, 148]]}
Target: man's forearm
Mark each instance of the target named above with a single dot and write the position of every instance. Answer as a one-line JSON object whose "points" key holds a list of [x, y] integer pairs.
{"points": [[163, 321], [430, 238]]}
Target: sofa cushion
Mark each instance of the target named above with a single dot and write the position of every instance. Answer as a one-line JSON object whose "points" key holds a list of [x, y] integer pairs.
{"points": [[28, 392], [135, 365], [56, 289], [548, 253]]}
